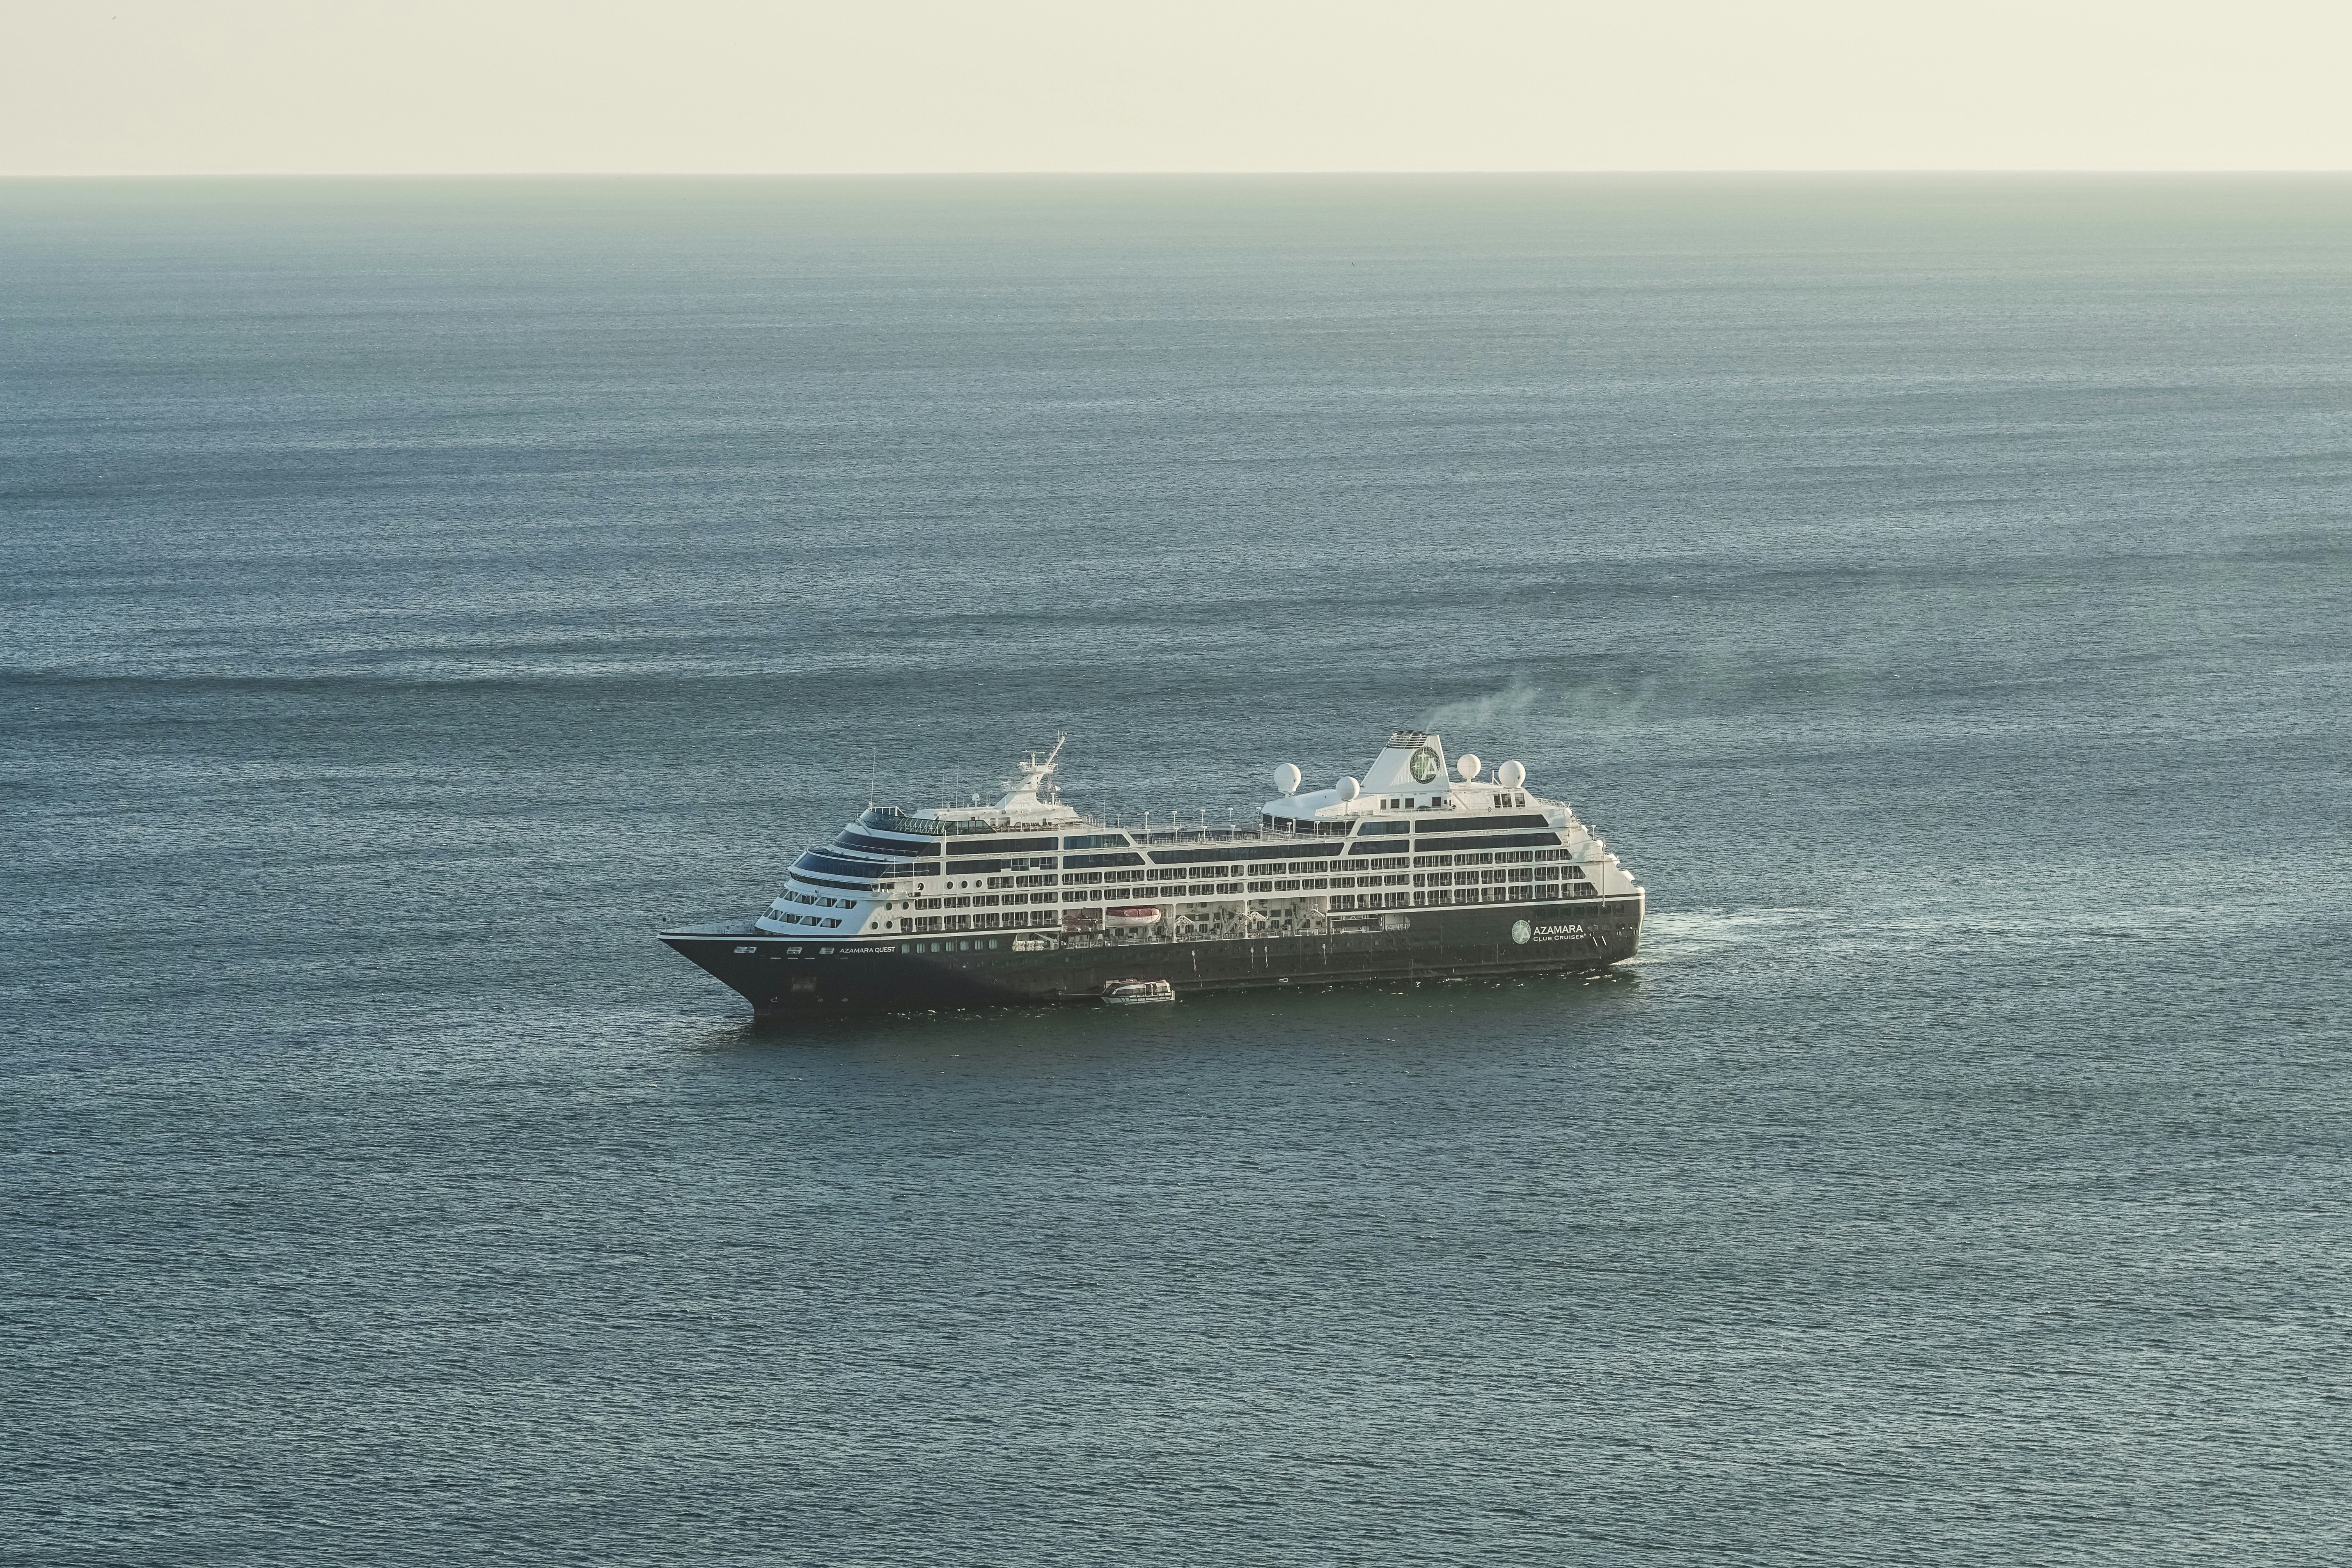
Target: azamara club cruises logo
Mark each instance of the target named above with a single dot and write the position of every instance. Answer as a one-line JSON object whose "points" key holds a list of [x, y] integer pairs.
{"points": [[1520, 932]]}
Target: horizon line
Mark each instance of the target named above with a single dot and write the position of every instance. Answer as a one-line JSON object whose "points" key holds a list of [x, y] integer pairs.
{"points": [[1951, 171]]}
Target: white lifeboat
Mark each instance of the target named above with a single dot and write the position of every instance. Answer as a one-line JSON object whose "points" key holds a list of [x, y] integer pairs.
{"points": [[1131, 918]]}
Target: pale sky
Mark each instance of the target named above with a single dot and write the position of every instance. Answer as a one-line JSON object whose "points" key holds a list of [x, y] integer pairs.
{"points": [[718, 86]]}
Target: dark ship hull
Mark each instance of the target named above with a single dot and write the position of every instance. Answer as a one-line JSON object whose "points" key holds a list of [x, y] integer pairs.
{"points": [[786, 977]]}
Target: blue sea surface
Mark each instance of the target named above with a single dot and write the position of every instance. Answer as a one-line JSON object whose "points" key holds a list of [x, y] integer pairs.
{"points": [[1939, 591]]}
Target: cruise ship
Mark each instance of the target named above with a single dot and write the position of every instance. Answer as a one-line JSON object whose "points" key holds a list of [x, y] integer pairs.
{"points": [[1418, 871]]}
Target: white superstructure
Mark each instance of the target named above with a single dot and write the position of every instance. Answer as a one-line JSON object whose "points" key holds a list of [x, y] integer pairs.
{"points": [[1417, 832]]}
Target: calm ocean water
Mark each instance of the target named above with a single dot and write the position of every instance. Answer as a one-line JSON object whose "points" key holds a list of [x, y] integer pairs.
{"points": [[1940, 592]]}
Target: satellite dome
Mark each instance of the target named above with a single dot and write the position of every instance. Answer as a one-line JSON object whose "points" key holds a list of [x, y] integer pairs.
{"points": [[1469, 765], [1286, 778], [1350, 789], [1511, 775]]}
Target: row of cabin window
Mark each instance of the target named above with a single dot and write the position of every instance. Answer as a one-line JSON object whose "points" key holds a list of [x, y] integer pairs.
{"points": [[1438, 898], [1017, 922], [1423, 895], [1214, 870], [778, 906], [1486, 858], [813, 899], [978, 901], [1313, 884], [1209, 872], [1196, 873], [1427, 898], [1223, 890], [1048, 862], [1303, 826], [1502, 886], [1317, 884], [1124, 894], [1495, 874], [1088, 896], [1168, 874], [1341, 903]]}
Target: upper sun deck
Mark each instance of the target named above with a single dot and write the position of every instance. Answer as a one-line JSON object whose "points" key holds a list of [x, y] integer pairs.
{"points": [[1409, 779]]}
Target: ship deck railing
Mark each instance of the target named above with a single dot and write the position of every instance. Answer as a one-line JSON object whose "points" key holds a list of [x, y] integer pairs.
{"points": [[1144, 832]]}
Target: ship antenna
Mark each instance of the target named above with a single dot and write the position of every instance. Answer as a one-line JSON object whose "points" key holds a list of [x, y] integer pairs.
{"points": [[1046, 774]]}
